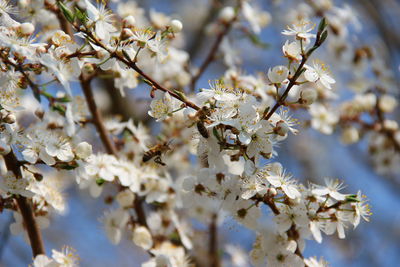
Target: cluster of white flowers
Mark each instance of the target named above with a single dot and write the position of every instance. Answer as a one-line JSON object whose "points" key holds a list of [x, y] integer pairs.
{"points": [[216, 154]]}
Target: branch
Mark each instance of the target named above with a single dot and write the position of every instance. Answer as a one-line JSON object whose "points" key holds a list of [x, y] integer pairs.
{"points": [[97, 117], [133, 66], [213, 242], [214, 49], [35, 237]]}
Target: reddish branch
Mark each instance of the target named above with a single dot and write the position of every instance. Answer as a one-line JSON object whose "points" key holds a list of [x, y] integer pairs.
{"points": [[24, 205], [97, 117], [213, 242], [130, 63]]}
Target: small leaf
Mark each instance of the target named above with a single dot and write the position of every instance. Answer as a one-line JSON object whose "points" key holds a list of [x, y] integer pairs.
{"points": [[81, 15], [67, 13], [324, 35], [180, 94], [322, 25], [255, 39]]}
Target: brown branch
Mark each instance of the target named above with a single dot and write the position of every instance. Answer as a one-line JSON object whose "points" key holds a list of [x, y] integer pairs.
{"points": [[97, 117], [213, 51], [213, 242], [197, 36], [30, 224], [133, 66]]}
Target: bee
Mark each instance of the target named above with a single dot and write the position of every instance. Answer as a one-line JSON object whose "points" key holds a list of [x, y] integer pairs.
{"points": [[201, 117], [202, 129], [156, 152]]}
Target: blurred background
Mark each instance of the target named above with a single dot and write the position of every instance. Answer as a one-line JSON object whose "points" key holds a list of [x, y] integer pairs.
{"points": [[310, 155]]}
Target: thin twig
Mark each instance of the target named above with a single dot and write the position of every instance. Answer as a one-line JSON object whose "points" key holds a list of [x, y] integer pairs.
{"points": [[213, 51], [213, 242], [97, 117]]}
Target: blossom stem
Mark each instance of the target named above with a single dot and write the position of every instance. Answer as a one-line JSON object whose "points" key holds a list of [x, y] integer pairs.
{"points": [[24, 205]]}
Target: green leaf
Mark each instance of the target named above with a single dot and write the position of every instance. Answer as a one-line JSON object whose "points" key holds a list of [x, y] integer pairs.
{"points": [[324, 35], [67, 166], [322, 25], [81, 15], [215, 132], [59, 108], [352, 198], [180, 94], [255, 39], [67, 13]]}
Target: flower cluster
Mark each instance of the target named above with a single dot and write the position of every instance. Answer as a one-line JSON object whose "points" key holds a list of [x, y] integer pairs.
{"points": [[213, 154]]}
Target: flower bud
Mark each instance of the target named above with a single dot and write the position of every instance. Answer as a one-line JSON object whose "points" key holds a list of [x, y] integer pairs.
{"points": [[26, 28], [125, 198], [272, 192], [87, 69], [387, 103], [176, 26], [142, 238], [227, 14], [390, 125], [308, 96], [129, 21], [83, 150], [350, 135]]}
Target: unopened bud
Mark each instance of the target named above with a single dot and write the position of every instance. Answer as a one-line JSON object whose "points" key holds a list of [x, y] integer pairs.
{"points": [[125, 198], [26, 28], [390, 125], [227, 14], [387, 103], [83, 150], [142, 237], [350, 135], [88, 69], [308, 96], [129, 21], [176, 26], [272, 192]]}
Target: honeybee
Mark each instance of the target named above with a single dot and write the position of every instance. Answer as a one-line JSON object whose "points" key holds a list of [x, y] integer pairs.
{"points": [[201, 117], [156, 152]]}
